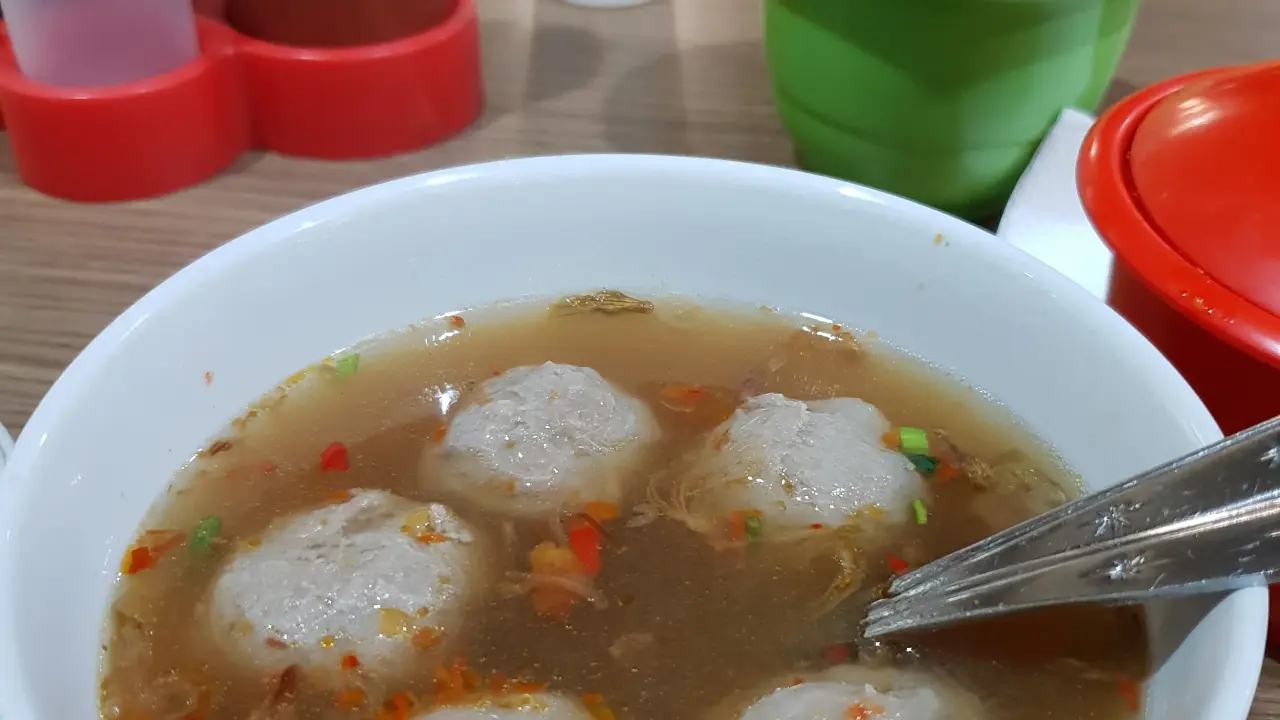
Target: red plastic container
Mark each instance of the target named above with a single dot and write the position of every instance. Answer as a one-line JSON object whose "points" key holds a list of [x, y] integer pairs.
{"points": [[156, 136], [1182, 181]]}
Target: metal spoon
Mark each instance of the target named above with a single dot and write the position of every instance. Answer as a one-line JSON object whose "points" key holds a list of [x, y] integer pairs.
{"points": [[1204, 523]]}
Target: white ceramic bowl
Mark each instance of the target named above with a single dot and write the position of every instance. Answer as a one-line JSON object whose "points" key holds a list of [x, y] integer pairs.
{"points": [[132, 408]]}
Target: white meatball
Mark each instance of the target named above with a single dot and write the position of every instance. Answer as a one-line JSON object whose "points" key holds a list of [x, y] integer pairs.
{"points": [[377, 575], [845, 691], [548, 706], [803, 463], [543, 438]]}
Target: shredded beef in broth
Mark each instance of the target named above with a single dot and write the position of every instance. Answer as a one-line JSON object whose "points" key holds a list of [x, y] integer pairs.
{"points": [[690, 590]]}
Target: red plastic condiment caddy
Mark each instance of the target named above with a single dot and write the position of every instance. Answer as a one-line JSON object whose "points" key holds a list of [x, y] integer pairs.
{"points": [[159, 135], [1182, 181]]}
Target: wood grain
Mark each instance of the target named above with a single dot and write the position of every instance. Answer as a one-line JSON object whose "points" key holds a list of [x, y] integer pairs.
{"points": [[676, 76]]}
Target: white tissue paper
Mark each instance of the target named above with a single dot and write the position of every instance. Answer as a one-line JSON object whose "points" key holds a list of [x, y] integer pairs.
{"points": [[1044, 216], [6, 446]]}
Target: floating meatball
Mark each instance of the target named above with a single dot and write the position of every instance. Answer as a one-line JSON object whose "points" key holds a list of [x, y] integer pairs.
{"points": [[544, 438], [377, 576], [798, 465], [544, 706], [856, 691]]}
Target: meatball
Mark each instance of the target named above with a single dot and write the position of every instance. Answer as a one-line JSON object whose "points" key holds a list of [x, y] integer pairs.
{"points": [[376, 575], [799, 464], [544, 438], [848, 691], [544, 706]]}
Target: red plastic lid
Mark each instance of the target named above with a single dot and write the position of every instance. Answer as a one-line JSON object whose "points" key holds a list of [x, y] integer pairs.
{"points": [[1182, 180]]}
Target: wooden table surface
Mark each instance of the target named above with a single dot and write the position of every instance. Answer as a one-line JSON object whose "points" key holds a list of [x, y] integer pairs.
{"points": [[676, 76]]}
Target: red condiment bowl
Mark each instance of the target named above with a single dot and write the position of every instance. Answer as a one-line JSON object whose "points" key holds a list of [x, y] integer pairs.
{"points": [[1181, 180]]}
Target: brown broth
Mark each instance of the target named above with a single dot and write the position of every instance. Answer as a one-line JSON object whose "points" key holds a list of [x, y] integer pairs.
{"points": [[722, 622]]}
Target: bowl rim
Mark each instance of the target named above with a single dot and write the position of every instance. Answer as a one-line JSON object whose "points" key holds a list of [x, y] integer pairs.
{"points": [[1247, 623]]}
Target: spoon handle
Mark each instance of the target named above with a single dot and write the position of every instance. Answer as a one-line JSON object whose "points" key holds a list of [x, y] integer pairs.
{"points": [[1207, 522]]}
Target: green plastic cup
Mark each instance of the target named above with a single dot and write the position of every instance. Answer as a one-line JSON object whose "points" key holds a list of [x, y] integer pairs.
{"points": [[942, 101]]}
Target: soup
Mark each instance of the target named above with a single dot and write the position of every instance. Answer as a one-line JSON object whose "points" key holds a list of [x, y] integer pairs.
{"points": [[605, 509]]}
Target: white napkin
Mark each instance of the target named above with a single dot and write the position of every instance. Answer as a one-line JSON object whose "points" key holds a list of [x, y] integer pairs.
{"points": [[1044, 217], [6, 447]]}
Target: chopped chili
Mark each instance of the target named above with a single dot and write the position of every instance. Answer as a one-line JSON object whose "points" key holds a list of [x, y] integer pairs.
{"points": [[836, 654], [146, 553], [1129, 693], [584, 541], [857, 711], [597, 708], [945, 472], [753, 526], [897, 565], [426, 638], [334, 457], [456, 322], [431, 538], [349, 661], [276, 643], [682, 398], [349, 698], [397, 707], [738, 524]]}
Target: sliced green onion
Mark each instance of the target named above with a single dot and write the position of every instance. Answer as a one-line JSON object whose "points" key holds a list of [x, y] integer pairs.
{"points": [[753, 526], [925, 464], [347, 364], [205, 532], [913, 441], [922, 513]]}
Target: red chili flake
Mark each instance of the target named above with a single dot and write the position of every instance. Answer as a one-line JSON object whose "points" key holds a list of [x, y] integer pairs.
{"points": [[349, 698], [1129, 693], [797, 680], [350, 661], [438, 434], [817, 526], [334, 457], [146, 553], [584, 541], [944, 472], [836, 654], [276, 643], [456, 321], [897, 565]]}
